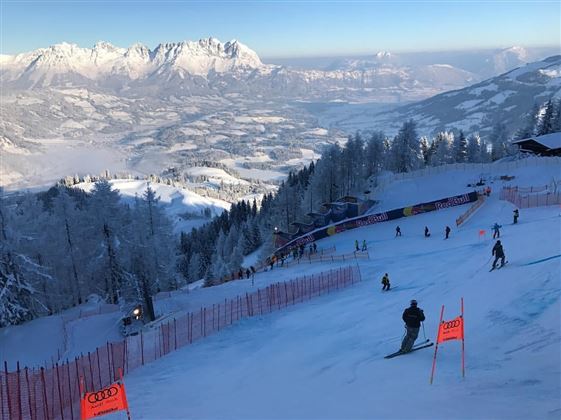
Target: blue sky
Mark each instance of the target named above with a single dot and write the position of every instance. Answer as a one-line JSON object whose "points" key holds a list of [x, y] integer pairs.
{"points": [[285, 28]]}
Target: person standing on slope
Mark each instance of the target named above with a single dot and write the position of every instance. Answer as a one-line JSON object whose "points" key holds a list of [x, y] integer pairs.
{"points": [[386, 282], [397, 232], [427, 233], [515, 215], [356, 245], [496, 231], [364, 246], [499, 253], [447, 232], [412, 316]]}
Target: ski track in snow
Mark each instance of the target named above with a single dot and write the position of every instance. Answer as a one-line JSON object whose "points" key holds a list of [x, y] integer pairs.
{"points": [[324, 359]]}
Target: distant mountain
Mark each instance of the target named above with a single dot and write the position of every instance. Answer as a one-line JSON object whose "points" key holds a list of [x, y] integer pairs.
{"points": [[507, 98], [208, 66], [483, 64]]}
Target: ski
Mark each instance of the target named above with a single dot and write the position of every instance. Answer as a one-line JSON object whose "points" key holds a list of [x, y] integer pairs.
{"points": [[499, 267], [420, 346]]}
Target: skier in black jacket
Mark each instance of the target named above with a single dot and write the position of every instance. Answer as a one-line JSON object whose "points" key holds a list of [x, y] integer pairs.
{"points": [[412, 316], [498, 252]]}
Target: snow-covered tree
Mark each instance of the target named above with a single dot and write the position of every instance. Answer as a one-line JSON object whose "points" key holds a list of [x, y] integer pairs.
{"points": [[16, 304], [405, 148], [460, 146], [499, 141], [442, 145]]}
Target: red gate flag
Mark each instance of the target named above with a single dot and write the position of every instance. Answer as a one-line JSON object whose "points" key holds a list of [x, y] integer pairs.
{"points": [[107, 400], [451, 330]]}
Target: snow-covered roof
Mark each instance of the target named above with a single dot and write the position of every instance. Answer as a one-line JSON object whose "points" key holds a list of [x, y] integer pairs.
{"points": [[551, 141]]}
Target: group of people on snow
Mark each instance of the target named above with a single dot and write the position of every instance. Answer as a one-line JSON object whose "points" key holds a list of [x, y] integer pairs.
{"points": [[364, 246], [447, 231], [413, 316]]}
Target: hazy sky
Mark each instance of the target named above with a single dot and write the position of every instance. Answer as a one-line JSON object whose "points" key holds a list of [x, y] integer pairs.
{"points": [[285, 28]]}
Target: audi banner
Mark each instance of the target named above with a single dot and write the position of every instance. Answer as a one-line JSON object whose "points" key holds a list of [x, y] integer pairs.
{"points": [[105, 401], [451, 330]]}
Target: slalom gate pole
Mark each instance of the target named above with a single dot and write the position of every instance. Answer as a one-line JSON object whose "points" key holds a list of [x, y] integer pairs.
{"points": [[123, 383], [463, 347], [436, 346], [424, 335]]}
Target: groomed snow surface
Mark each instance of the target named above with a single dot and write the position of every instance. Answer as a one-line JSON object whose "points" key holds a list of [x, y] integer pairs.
{"points": [[324, 359]]}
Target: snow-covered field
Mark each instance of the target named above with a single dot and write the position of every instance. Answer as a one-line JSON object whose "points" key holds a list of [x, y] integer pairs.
{"points": [[184, 207], [324, 359]]}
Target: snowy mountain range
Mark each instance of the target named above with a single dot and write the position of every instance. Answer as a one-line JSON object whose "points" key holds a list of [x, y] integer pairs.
{"points": [[210, 66], [70, 110], [68, 63], [507, 98]]}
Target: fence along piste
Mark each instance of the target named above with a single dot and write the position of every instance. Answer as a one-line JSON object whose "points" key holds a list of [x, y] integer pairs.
{"points": [[54, 393]]}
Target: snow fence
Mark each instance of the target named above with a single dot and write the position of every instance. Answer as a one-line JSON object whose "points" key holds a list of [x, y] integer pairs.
{"points": [[526, 197], [53, 393]]}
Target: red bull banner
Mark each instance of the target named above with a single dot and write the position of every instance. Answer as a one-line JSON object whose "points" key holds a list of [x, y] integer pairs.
{"points": [[285, 245]]}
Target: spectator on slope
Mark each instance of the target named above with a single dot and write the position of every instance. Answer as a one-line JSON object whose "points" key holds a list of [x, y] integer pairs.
{"points": [[356, 245], [364, 247], [385, 282], [427, 233], [496, 231], [447, 232], [412, 316], [397, 231], [515, 215], [247, 273], [499, 253], [252, 275], [315, 248]]}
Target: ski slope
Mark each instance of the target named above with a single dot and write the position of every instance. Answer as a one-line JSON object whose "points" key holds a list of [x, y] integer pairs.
{"points": [[324, 359]]}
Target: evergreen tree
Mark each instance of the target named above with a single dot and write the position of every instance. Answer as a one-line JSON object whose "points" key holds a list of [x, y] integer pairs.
{"points": [[405, 148], [460, 147], [442, 148], [529, 128], [374, 154], [547, 120], [474, 148], [499, 141], [195, 269], [15, 292], [426, 150], [556, 118]]}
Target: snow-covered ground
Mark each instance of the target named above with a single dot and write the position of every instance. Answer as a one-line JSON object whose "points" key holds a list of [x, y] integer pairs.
{"points": [[324, 359], [184, 207]]}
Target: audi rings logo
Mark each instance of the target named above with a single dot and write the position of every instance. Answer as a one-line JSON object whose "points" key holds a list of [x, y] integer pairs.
{"points": [[104, 394], [451, 324]]}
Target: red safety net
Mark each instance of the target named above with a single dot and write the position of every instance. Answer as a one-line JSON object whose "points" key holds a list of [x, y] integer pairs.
{"points": [[531, 196], [54, 392]]}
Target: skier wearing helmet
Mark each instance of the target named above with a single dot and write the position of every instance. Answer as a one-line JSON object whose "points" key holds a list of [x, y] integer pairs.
{"points": [[412, 316]]}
